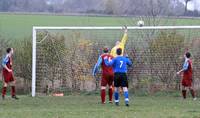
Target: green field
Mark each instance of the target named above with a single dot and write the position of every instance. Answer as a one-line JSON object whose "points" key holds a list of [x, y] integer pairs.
{"points": [[16, 26], [88, 106]]}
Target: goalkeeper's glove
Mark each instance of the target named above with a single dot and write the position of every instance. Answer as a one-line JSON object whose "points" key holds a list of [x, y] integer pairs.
{"points": [[125, 29]]}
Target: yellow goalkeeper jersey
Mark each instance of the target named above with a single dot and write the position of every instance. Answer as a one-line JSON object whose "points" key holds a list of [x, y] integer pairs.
{"points": [[121, 45]]}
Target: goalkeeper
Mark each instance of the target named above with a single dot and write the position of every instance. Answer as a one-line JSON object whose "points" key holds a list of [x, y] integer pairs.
{"points": [[120, 44]]}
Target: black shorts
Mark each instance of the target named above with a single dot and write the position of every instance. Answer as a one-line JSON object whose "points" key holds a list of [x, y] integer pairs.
{"points": [[120, 80]]}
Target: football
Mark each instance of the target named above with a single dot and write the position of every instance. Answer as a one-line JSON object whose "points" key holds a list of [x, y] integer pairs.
{"points": [[140, 23]]}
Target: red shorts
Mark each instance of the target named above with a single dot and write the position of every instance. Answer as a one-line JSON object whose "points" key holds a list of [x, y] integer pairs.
{"points": [[186, 82], [107, 79], [8, 76]]}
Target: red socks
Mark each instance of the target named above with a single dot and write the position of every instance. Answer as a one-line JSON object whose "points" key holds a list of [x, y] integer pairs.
{"points": [[103, 96], [184, 93], [13, 90], [192, 93], [4, 91], [110, 93]]}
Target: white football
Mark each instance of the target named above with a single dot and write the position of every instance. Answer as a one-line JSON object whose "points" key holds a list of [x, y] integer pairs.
{"points": [[140, 23]]}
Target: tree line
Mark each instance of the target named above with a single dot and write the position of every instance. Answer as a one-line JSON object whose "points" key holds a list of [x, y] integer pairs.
{"points": [[114, 7]]}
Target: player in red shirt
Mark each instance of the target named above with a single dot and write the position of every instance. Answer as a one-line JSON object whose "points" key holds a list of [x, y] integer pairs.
{"points": [[187, 76], [8, 74], [107, 75]]}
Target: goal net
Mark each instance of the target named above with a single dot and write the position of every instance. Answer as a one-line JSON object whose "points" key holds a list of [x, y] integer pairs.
{"points": [[63, 57]]}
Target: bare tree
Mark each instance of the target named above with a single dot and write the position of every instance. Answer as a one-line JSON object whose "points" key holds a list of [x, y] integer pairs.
{"points": [[186, 5]]}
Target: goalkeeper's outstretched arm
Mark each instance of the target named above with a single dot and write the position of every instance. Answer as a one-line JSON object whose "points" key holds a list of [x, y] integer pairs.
{"points": [[120, 44], [125, 36]]}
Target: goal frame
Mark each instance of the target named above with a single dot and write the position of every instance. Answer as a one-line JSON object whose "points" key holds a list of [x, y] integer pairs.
{"points": [[34, 37]]}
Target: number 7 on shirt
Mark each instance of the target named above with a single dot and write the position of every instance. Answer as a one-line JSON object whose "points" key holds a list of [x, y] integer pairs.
{"points": [[121, 63]]}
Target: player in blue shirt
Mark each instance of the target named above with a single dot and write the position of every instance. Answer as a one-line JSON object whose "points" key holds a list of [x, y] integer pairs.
{"points": [[119, 65]]}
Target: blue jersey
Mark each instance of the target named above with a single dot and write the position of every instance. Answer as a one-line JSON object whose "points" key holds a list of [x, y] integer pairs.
{"points": [[119, 64]]}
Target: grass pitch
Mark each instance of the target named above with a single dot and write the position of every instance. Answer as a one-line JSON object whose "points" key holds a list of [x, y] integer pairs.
{"points": [[88, 106]]}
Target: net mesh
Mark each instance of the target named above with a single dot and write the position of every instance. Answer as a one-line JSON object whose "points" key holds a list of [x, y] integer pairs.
{"points": [[65, 58]]}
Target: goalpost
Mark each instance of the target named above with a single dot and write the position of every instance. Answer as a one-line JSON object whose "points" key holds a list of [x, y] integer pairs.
{"points": [[143, 31]]}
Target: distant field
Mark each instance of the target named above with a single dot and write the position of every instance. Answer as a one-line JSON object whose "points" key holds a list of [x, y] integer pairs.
{"points": [[20, 26], [88, 106]]}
